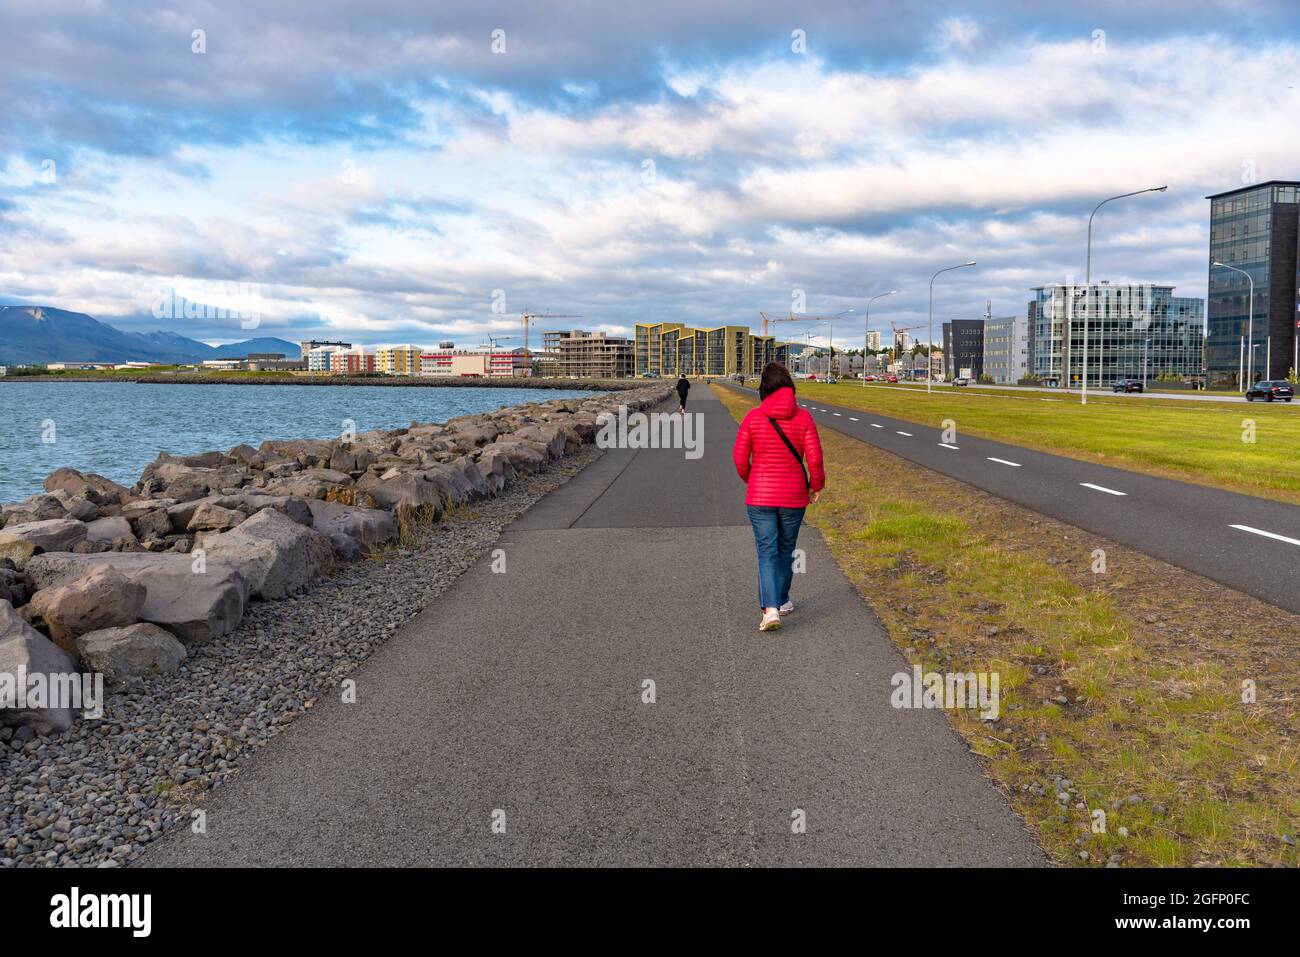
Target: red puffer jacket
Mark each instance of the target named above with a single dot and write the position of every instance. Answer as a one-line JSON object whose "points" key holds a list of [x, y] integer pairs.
{"points": [[761, 458]]}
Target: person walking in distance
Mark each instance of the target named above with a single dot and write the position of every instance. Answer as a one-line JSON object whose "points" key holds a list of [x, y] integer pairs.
{"points": [[683, 387], [779, 456]]}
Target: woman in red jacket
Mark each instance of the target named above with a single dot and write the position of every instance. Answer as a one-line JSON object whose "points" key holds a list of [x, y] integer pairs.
{"points": [[774, 441]]}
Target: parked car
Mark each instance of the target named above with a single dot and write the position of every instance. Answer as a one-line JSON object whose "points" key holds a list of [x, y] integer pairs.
{"points": [[1128, 385], [961, 380], [1270, 390], [832, 380], [892, 378]]}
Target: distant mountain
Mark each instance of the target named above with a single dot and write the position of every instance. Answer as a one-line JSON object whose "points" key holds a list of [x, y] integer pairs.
{"points": [[34, 334], [237, 350]]}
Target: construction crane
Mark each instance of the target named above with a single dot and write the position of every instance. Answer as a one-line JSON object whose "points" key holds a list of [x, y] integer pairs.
{"points": [[895, 349], [528, 317]]}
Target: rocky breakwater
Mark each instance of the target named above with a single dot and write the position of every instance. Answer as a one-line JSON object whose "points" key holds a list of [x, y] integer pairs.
{"points": [[99, 578]]}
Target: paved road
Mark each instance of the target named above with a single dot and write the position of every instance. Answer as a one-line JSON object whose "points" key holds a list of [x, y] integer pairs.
{"points": [[1250, 544], [522, 692], [1074, 394]]}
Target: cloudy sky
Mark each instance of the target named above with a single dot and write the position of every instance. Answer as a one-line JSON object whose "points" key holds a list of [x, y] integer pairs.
{"points": [[392, 171]]}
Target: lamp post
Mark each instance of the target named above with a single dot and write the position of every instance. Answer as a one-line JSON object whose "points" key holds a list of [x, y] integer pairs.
{"points": [[1145, 344], [930, 325], [1250, 323], [1087, 275], [866, 331]]}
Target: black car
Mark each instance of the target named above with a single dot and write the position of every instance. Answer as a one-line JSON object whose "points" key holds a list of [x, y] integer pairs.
{"points": [[1270, 389], [1129, 385]]}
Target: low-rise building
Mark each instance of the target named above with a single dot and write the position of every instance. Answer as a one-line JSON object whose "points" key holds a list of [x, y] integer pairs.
{"points": [[476, 363]]}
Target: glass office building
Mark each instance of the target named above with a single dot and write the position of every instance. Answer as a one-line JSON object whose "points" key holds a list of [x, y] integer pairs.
{"points": [[1254, 228], [1133, 332]]}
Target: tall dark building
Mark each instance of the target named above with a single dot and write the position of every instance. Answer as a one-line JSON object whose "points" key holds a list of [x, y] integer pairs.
{"points": [[1255, 228], [963, 347]]}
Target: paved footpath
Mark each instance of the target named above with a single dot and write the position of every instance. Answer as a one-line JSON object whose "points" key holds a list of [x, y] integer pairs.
{"points": [[522, 692]]}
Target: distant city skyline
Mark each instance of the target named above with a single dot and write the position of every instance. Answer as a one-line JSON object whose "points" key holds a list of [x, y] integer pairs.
{"points": [[700, 168]]}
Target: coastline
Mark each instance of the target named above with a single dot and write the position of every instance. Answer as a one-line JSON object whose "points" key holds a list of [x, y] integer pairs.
{"points": [[167, 741], [221, 595], [522, 382]]}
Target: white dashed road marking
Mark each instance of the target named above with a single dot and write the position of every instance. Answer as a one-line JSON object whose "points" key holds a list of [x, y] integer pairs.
{"points": [[908, 434], [947, 446], [1014, 465], [1102, 488], [1260, 531]]}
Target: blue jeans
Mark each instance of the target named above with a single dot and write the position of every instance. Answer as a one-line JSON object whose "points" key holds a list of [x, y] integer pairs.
{"points": [[776, 530]]}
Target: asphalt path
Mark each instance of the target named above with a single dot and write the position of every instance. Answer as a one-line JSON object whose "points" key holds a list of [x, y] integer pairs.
{"points": [[1248, 543], [520, 699]]}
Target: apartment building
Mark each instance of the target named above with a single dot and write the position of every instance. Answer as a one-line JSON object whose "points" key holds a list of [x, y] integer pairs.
{"points": [[311, 345], [398, 360], [669, 348], [351, 361], [318, 359], [588, 355]]}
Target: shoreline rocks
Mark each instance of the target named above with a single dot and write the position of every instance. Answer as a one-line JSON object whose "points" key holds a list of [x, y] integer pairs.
{"points": [[198, 535], [103, 791]]}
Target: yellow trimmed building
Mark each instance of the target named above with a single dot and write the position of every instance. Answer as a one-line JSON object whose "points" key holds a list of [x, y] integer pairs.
{"points": [[398, 360], [669, 348]]}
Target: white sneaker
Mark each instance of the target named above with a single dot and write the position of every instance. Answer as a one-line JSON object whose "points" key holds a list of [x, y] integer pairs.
{"points": [[786, 608], [771, 620]]}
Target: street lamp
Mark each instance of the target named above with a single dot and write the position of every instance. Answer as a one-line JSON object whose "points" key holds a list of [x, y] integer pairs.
{"points": [[866, 331], [1145, 344], [1250, 324], [930, 326], [1087, 276]]}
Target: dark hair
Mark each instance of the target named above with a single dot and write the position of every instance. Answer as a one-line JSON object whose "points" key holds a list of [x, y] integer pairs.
{"points": [[775, 377]]}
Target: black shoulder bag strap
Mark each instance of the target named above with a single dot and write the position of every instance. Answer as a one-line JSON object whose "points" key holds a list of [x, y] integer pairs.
{"points": [[807, 483]]}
